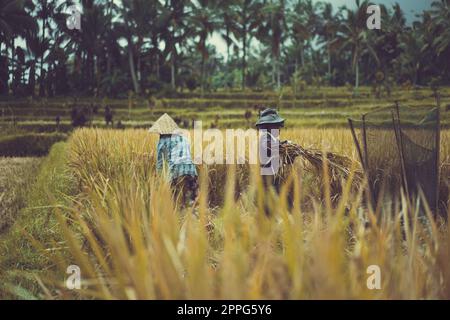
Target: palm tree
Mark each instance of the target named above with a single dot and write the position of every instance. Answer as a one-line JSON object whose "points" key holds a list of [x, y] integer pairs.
{"points": [[14, 20], [417, 50], [440, 15], [204, 20], [45, 10], [386, 41], [328, 30], [173, 19], [35, 49], [274, 29], [136, 27], [304, 23], [111, 50], [354, 36], [227, 17], [248, 18], [410, 61]]}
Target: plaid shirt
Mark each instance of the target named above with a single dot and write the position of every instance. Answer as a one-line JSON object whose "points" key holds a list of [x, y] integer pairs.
{"points": [[175, 151]]}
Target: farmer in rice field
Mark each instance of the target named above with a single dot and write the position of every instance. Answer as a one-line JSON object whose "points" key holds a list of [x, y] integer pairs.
{"points": [[108, 116], [269, 125], [173, 153]]}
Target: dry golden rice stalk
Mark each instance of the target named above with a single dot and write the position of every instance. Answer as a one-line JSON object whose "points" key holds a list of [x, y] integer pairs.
{"points": [[339, 165]]}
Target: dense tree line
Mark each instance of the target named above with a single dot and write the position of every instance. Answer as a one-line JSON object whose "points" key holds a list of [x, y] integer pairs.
{"points": [[149, 46]]}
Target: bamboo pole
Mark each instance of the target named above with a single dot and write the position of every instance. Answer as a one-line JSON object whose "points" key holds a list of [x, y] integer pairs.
{"points": [[355, 140]]}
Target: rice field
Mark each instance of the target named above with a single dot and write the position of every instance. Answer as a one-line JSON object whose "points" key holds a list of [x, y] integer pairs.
{"points": [[323, 107], [132, 242], [96, 202]]}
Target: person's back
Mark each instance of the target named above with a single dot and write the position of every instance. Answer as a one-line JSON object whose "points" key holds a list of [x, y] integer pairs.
{"points": [[108, 116], [175, 151]]}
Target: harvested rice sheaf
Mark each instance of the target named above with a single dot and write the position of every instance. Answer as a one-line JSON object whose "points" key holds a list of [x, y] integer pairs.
{"points": [[312, 160]]}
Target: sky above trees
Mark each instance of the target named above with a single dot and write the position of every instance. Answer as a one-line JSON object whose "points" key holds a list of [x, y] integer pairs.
{"points": [[410, 7]]}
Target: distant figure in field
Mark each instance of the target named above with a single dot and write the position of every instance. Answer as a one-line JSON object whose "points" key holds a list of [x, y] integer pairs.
{"points": [[94, 108], [247, 116], [174, 157], [108, 116], [87, 115], [120, 125], [258, 109], [78, 117], [73, 115], [82, 118], [57, 121]]}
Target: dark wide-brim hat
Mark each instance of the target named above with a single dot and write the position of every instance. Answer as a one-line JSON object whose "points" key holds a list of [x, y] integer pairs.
{"points": [[269, 116]]}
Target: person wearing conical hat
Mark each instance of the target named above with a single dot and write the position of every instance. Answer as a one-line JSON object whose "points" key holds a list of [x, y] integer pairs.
{"points": [[173, 152]]}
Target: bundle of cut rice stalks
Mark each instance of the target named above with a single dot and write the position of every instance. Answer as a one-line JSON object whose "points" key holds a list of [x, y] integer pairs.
{"points": [[311, 160]]}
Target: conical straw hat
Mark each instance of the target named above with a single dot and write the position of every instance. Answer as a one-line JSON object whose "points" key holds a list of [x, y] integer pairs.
{"points": [[164, 125]]}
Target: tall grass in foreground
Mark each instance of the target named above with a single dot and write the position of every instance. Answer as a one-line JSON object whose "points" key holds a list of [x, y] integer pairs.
{"points": [[132, 242]]}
